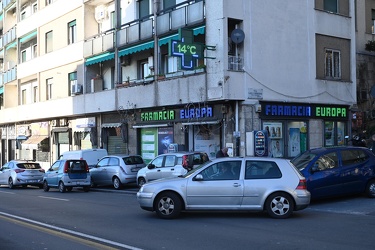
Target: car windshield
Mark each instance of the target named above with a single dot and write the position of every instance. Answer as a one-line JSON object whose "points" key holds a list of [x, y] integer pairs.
{"points": [[195, 169], [302, 160], [29, 165]]}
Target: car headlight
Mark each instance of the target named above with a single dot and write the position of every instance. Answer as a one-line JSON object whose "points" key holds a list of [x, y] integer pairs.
{"points": [[141, 190]]}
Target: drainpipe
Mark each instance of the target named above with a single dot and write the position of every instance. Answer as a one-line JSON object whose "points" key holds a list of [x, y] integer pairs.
{"points": [[156, 47], [118, 72], [237, 133]]}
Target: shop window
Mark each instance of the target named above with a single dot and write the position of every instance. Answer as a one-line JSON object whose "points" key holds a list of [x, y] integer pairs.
{"points": [[334, 133], [286, 139]]}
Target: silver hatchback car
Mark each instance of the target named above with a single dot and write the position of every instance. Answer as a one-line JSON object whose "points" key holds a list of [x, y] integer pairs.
{"points": [[248, 184], [116, 170], [21, 173]]}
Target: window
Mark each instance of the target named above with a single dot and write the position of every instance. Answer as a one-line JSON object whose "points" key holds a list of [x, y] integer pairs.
{"points": [[35, 7], [49, 88], [144, 8], [35, 51], [334, 133], [170, 161], [333, 64], [23, 15], [113, 19], [168, 4], [262, 170], [350, 157], [49, 36], [331, 5], [23, 97], [144, 70], [23, 56], [48, 2], [114, 162], [373, 21], [327, 161], [72, 32], [72, 80], [228, 170], [35, 94]]}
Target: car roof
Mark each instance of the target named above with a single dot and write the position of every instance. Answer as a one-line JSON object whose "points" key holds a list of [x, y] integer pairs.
{"points": [[328, 149], [180, 153]]}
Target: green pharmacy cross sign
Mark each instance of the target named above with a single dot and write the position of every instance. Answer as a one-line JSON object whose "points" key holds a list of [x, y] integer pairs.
{"points": [[186, 49]]}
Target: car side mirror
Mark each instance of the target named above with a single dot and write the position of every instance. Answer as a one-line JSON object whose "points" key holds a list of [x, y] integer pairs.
{"points": [[151, 166], [198, 177]]}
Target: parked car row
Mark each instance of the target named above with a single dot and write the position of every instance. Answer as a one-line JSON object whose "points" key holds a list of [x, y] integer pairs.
{"points": [[184, 181]]}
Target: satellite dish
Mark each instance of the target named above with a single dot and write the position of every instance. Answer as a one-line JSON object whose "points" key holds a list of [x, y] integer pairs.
{"points": [[237, 36]]}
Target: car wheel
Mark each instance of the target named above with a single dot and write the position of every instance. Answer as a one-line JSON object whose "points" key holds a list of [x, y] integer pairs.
{"points": [[370, 189], [168, 205], [10, 183], [62, 187], [86, 188], [40, 186], [69, 189], [141, 181], [45, 186], [279, 205], [117, 183]]}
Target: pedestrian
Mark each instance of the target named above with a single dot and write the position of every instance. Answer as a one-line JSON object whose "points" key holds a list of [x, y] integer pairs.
{"points": [[222, 153]]}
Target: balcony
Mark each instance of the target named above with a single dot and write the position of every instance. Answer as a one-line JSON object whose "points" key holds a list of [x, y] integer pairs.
{"points": [[9, 36], [10, 75], [98, 44]]}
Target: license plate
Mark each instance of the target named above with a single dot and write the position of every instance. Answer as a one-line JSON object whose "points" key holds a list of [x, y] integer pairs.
{"points": [[31, 181]]}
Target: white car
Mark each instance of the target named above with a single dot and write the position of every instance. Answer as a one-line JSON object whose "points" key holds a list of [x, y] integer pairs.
{"points": [[21, 173], [232, 183], [170, 165]]}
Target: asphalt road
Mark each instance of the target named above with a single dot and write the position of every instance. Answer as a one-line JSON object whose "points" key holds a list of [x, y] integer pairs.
{"points": [[108, 219]]}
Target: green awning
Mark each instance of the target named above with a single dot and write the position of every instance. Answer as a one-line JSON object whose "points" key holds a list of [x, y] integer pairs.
{"points": [[165, 40], [136, 48], [14, 44], [100, 58], [26, 38]]}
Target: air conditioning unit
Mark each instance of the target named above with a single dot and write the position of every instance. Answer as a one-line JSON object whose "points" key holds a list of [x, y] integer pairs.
{"points": [[76, 89], [101, 13], [96, 85], [125, 60]]}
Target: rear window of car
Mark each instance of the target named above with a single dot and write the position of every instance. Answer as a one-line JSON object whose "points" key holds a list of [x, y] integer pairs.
{"points": [[199, 158], [130, 160], [77, 166], [262, 170], [302, 160], [29, 165]]}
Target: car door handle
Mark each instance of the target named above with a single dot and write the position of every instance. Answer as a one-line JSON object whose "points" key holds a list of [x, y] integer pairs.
{"points": [[172, 169], [236, 185], [158, 170]]}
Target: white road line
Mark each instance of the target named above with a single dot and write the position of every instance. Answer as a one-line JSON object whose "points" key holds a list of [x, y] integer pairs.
{"points": [[7, 192], [52, 198], [87, 236]]}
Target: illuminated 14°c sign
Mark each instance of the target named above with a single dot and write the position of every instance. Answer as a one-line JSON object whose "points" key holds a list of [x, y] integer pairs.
{"points": [[186, 49]]}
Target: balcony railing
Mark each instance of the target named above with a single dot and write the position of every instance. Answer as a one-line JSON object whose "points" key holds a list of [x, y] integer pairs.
{"points": [[10, 36], [185, 14], [10, 75]]}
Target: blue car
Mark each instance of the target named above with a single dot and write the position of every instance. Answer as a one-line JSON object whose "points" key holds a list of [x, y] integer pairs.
{"points": [[337, 171]]}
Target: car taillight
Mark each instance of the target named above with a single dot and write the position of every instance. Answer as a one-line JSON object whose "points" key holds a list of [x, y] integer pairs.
{"points": [[19, 170], [302, 184], [185, 161], [66, 167], [87, 168]]}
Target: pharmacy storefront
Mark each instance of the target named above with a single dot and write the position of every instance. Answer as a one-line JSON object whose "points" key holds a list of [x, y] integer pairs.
{"points": [[295, 127]]}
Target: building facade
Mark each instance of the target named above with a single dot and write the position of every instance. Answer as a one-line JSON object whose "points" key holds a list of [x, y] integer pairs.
{"points": [[148, 76]]}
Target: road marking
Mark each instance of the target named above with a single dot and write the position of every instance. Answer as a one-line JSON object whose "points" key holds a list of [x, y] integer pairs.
{"points": [[52, 198], [7, 192], [70, 232]]}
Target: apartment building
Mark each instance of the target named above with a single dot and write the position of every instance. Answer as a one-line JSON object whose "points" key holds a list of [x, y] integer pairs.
{"points": [[150, 76]]}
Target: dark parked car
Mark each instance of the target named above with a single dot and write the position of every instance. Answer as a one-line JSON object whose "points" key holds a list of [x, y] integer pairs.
{"points": [[337, 171]]}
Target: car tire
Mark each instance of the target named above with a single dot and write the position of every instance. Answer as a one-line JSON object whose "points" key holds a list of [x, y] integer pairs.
{"points": [[168, 205], [370, 189], [62, 187], [86, 188], [45, 186], [10, 183], [141, 181], [279, 205], [40, 186], [117, 183]]}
